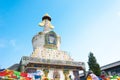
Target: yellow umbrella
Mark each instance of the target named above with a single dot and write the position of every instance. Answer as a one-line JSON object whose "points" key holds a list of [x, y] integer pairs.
{"points": [[89, 78]]}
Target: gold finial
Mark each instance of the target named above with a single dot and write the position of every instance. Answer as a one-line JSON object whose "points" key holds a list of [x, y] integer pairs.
{"points": [[46, 23], [46, 14]]}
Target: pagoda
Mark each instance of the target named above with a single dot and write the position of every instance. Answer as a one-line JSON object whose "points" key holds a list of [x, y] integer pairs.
{"points": [[47, 56]]}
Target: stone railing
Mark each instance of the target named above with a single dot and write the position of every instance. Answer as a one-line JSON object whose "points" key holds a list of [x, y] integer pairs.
{"points": [[26, 60]]}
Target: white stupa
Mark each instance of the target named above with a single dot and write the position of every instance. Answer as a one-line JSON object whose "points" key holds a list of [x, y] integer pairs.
{"points": [[46, 44], [47, 56]]}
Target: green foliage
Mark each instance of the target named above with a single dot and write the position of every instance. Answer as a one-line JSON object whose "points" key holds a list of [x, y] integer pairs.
{"points": [[93, 65]]}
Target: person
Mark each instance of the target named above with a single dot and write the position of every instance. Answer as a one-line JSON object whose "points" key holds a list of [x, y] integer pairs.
{"points": [[92, 76], [104, 75]]}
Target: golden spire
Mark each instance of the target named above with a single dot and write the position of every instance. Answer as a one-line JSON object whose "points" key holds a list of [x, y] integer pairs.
{"points": [[46, 14], [46, 23]]}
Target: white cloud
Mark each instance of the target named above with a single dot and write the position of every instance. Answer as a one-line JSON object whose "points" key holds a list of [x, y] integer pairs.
{"points": [[13, 43], [2, 43], [118, 13], [5, 43]]}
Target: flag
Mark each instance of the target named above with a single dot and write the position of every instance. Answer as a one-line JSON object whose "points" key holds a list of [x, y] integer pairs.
{"points": [[27, 78], [3, 73], [16, 73], [9, 72], [30, 75], [23, 74], [37, 76], [2, 70]]}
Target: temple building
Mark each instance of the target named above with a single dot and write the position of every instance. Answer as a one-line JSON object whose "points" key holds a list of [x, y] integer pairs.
{"points": [[47, 56]]}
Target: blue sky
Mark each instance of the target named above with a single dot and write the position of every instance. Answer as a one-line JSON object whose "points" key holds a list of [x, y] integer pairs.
{"points": [[84, 26]]}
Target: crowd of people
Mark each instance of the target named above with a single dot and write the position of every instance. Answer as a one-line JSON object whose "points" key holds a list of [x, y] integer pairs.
{"points": [[103, 76]]}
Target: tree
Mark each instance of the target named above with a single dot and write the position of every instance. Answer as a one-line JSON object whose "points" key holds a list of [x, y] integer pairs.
{"points": [[93, 65]]}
